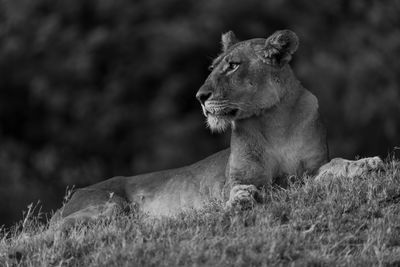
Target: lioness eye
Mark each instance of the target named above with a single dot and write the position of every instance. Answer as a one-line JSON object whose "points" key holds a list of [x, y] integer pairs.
{"points": [[233, 65]]}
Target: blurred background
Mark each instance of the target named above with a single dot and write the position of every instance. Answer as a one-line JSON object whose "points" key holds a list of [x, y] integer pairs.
{"points": [[97, 88]]}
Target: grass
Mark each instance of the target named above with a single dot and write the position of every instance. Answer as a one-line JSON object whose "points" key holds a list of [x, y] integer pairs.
{"points": [[341, 223]]}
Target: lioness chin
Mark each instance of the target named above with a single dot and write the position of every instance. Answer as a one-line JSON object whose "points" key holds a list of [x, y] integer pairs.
{"points": [[276, 133]]}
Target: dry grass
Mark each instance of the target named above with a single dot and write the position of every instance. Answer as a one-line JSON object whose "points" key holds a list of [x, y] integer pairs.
{"points": [[344, 222]]}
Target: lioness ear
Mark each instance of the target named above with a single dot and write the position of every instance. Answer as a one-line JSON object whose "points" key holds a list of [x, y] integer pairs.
{"points": [[228, 39], [280, 46]]}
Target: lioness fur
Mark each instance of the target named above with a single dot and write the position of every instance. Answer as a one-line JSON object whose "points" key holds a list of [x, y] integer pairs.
{"points": [[276, 133]]}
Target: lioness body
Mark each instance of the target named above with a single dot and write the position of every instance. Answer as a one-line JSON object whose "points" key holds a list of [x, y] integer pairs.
{"points": [[276, 133], [289, 148]]}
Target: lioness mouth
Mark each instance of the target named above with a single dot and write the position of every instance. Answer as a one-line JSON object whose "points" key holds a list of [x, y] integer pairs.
{"points": [[223, 112]]}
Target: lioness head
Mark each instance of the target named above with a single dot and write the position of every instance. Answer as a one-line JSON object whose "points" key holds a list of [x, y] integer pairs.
{"points": [[246, 77]]}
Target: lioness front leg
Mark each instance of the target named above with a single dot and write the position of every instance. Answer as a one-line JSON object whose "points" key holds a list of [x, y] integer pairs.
{"points": [[246, 176], [338, 168], [242, 196]]}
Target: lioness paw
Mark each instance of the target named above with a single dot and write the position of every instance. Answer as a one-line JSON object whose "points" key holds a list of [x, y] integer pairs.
{"points": [[242, 197], [338, 167]]}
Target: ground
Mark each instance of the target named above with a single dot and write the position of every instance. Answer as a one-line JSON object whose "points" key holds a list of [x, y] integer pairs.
{"points": [[339, 223]]}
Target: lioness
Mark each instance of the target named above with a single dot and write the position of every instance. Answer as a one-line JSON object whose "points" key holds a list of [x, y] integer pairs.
{"points": [[276, 133]]}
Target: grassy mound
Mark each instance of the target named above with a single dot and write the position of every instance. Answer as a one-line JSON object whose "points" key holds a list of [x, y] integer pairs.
{"points": [[343, 222]]}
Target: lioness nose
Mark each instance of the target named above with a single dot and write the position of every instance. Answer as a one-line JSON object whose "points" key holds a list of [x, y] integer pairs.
{"points": [[202, 96]]}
